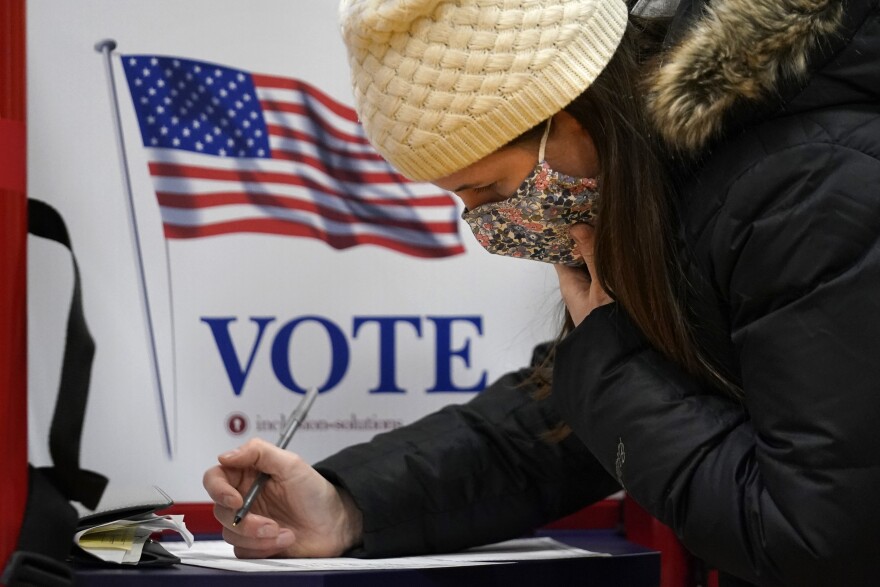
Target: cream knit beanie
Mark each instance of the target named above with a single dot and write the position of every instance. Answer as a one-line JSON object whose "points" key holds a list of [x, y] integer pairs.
{"points": [[440, 84]]}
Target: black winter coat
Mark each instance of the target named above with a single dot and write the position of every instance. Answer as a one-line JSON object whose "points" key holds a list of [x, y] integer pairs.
{"points": [[776, 107]]}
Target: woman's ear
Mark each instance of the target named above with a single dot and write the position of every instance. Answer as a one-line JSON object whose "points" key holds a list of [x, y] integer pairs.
{"points": [[570, 148]]}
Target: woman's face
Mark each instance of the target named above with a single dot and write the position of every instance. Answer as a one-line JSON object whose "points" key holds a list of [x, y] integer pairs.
{"points": [[570, 150]]}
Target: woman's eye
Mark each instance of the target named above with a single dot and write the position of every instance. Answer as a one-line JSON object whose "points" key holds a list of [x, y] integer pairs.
{"points": [[483, 189]]}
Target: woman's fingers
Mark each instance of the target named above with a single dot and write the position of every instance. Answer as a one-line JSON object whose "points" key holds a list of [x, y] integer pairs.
{"points": [[238, 468], [220, 483], [249, 524], [266, 542], [255, 536], [262, 456], [299, 513], [581, 289], [584, 237]]}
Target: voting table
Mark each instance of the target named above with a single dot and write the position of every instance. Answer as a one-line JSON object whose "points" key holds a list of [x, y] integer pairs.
{"points": [[628, 564]]}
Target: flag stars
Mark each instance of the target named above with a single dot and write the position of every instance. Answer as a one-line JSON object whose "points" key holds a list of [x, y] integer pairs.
{"points": [[202, 108]]}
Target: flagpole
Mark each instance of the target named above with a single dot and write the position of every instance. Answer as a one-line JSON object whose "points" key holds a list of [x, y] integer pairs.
{"points": [[106, 47], [173, 340]]}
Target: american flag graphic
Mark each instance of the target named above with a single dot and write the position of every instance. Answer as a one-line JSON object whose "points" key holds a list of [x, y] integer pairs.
{"points": [[236, 152]]}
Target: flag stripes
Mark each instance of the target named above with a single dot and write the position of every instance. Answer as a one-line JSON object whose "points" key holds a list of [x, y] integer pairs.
{"points": [[232, 152]]}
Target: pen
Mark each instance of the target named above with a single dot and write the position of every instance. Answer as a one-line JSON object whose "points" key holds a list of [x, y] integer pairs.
{"points": [[297, 416]]}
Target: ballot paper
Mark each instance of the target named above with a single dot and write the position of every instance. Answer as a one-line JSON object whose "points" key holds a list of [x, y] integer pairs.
{"points": [[122, 541], [217, 554]]}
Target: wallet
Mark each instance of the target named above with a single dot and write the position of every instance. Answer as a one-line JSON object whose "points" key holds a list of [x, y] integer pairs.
{"points": [[135, 514]]}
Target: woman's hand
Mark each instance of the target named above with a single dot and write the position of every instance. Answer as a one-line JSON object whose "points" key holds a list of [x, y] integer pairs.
{"points": [[298, 513], [580, 289]]}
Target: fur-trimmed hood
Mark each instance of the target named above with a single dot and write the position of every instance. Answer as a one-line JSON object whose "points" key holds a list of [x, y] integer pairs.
{"points": [[736, 53]]}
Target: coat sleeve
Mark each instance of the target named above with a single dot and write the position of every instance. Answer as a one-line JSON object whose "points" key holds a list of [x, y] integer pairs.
{"points": [[780, 489], [469, 474]]}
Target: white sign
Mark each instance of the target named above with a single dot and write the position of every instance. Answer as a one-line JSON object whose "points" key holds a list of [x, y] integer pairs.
{"points": [[240, 321]]}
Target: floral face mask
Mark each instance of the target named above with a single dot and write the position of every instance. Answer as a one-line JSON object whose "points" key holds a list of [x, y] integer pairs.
{"points": [[534, 222]]}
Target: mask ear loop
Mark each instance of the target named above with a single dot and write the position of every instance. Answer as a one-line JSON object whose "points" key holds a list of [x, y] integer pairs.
{"points": [[544, 141]]}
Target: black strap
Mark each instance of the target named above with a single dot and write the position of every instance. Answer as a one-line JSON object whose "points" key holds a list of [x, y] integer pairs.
{"points": [[45, 535], [65, 434], [32, 569]]}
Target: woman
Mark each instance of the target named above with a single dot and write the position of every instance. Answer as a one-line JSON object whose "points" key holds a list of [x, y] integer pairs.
{"points": [[723, 363]]}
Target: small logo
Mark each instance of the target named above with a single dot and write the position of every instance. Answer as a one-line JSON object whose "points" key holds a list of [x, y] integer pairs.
{"points": [[236, 423], [621, 459]]}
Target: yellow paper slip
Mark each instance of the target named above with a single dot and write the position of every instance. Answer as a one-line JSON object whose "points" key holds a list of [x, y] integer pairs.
{"points": [[116, 537]]}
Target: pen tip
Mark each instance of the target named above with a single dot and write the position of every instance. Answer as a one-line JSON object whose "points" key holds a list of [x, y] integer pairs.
{"points": [[236, 520]]}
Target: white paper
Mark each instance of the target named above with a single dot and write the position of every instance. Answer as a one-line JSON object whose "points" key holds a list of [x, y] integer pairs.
{"points": [[521, 549], [218, 554]]}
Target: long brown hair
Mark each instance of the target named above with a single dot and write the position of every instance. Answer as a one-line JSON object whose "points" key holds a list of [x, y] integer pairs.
{"points": [[635, 252]]}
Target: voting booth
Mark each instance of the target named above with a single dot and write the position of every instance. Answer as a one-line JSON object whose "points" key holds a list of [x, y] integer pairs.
{"points": [[238, 241]]}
